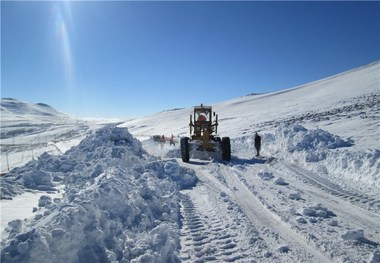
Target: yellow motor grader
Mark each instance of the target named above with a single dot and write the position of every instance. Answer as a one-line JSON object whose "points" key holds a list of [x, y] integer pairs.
{"points": [[203, 130]]}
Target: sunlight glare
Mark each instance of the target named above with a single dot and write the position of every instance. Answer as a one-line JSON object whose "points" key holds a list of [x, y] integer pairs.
{"points": [[63, 25]]}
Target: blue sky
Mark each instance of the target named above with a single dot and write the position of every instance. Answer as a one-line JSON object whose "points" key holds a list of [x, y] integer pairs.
{"points": [[128, 59]]}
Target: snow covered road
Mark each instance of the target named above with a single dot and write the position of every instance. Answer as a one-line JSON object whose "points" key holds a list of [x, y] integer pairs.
{"points": [[294, 220]]}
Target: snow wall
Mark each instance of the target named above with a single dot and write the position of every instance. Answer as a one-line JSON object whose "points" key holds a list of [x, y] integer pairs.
{"points": [[120, 204], [326, 154]]}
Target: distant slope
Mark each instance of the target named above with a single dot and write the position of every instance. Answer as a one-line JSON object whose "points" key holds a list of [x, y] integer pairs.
{"points": [[30, 129], [324, 93], [13, 108], [360, 86]]}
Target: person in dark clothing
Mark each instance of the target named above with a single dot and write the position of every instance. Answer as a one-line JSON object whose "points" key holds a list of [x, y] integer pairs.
{"points": [[257, 143], [172, 140]]}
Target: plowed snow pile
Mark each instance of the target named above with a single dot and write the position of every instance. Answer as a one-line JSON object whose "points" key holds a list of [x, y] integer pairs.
{"points": [[119, 204], [325, 153]]}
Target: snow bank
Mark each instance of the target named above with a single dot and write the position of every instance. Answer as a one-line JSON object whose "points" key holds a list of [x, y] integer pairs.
{"points": [[120, 204], [361, 167], [327, 154], [313, 144], [324, 153]]}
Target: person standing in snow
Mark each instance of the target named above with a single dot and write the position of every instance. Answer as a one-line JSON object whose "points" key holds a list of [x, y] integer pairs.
{"points": [[172, 140], [257, 144], [162, 141]]}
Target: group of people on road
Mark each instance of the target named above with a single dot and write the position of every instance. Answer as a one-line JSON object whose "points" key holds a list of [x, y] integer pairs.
{"points": [[163, 140]]}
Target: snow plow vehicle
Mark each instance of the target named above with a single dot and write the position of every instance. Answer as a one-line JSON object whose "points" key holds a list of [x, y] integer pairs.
{"points": [[203, 130]]}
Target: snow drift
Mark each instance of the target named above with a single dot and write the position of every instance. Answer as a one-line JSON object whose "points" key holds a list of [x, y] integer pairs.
{"points": [[323, 152], [119, 204]]}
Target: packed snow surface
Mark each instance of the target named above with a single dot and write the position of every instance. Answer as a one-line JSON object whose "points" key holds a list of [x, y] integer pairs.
{"points": [[114, 194]]}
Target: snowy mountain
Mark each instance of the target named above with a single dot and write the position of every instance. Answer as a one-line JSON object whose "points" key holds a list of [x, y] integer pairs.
{"points": [[118, 196], [12, 108], [30, 129]]}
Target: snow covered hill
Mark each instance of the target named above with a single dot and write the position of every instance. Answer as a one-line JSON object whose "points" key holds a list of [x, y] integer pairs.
{"points": [[29, 129], [313, 195], [12, 108]]}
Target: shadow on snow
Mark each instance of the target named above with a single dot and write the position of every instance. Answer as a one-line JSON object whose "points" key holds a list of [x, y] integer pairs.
{"points": [[255, 160]]}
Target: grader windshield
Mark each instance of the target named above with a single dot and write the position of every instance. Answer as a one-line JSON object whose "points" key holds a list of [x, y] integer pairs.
{"points": [[202, 121], [202, 115]]}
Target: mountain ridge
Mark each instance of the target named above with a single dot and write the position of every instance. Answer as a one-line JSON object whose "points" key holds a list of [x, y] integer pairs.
{"points": [[17, 107]]}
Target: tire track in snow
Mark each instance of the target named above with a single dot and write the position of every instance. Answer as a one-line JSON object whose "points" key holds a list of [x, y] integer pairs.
{"points": [[326, 231], [281, 242], [276, 231], [359, 199], [343, 201], [202, 241], [211, 233]]}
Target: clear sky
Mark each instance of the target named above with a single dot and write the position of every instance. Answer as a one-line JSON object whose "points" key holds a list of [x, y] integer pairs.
{"points": [[127, 59]]}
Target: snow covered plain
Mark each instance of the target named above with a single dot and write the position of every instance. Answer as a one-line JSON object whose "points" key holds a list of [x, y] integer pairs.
{"points": [[314, 195]]}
